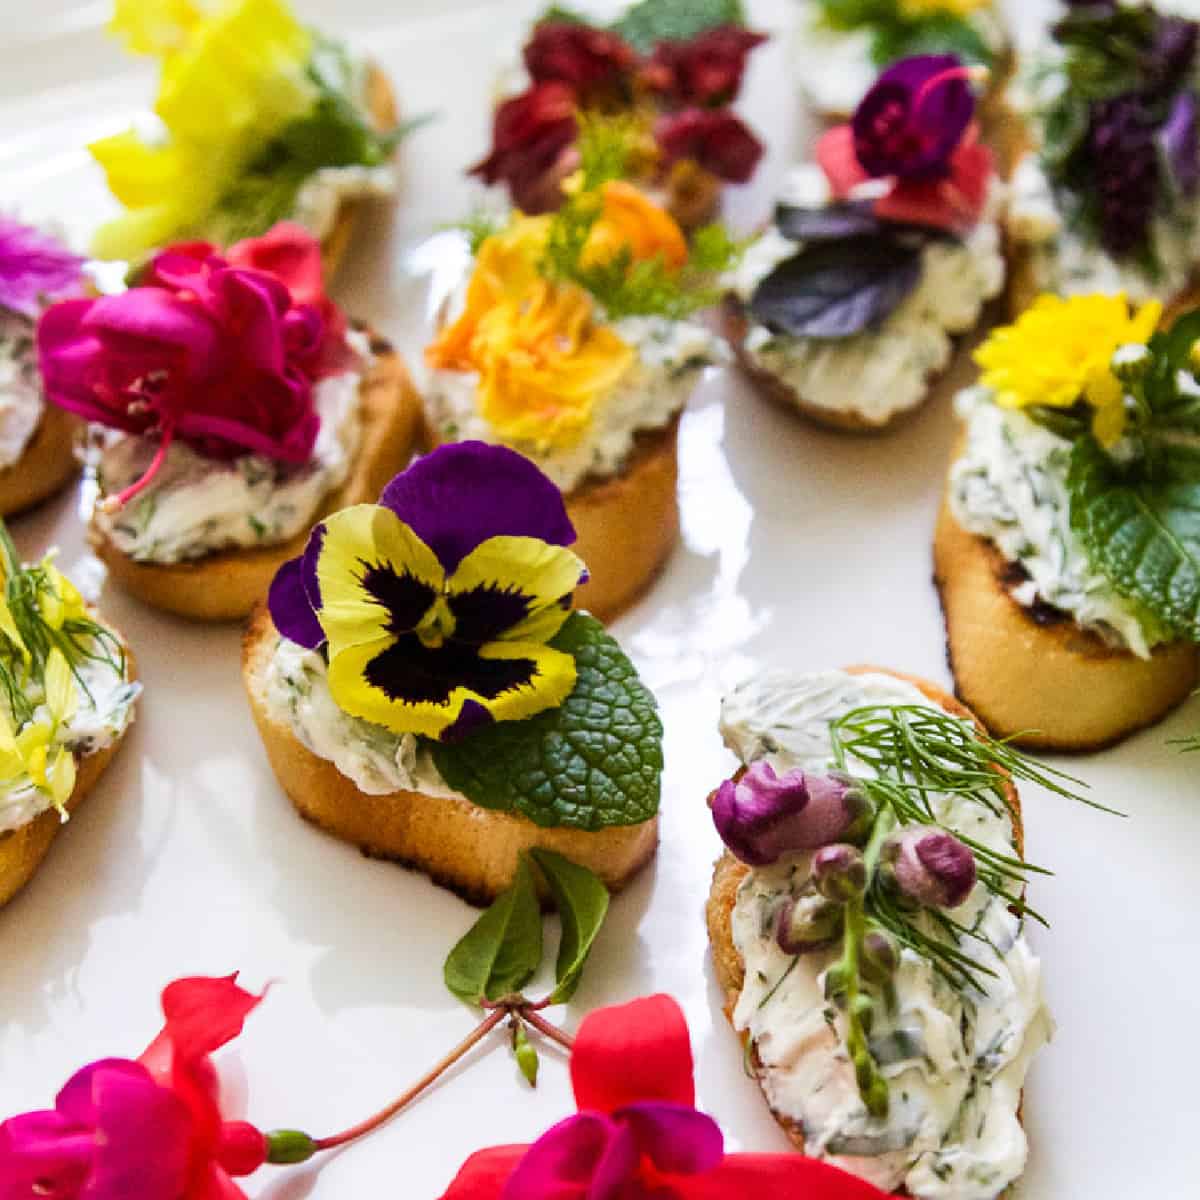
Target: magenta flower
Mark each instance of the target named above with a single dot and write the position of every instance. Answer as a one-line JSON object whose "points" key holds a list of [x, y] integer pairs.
{"points": [[34, 268], [930, 866]]}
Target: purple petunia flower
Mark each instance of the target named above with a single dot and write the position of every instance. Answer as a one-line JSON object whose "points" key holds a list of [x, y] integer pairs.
{"points": [[34, 268]]}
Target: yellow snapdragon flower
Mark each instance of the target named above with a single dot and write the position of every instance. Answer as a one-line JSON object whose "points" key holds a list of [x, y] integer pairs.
{"points": [[1060, 351], [916, 9]]}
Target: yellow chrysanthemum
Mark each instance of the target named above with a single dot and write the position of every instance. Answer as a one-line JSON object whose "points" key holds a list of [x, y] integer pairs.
{"points": [[915, 9], [1060, 351], [230, 83], [630, 220]]}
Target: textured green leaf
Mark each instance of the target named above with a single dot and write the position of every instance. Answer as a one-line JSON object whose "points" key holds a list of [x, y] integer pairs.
{"points": [[582, 902], [652, 21], [943, 33], [593, 762], [500, 953], [1140, 526]]}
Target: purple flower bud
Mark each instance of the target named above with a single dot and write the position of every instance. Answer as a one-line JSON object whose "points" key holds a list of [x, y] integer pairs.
{"points": [[930, 866], [880, 957], [763, 816], [807, 922], [839, 872]]}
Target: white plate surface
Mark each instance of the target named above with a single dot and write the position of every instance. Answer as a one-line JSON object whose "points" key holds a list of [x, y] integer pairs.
{"points": [[799, 547]]}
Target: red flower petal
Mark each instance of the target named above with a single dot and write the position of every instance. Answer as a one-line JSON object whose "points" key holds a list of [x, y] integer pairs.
{"points": [[778, 1176], [290, 253], [837, 158], [633, 1052], [956, 203], [203, 1014], [484, 1175]]}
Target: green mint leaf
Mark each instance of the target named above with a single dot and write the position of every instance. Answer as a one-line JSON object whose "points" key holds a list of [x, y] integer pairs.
{"points": [[557, 14], [582, 903], [500, 953], [652, 21], [854, 14], [942, 33], [593, 762], [525, 1053], [1140, 525]]}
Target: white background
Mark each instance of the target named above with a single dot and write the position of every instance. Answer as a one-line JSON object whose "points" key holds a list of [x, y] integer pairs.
{"points": [[799, 547]]}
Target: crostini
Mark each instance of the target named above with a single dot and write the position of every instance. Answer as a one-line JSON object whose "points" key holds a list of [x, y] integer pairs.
{"points": [[1106, 196], [881, 253], [263, 120], [1066, 550], [866, 929], [37, 441], [68, 697], [671, 76], [232, 407], [569, 340], [839, 48], [425, 692]]}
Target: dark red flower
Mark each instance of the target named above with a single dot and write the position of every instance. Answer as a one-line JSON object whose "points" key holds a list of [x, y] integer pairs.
{"points": [[585, 58], [717, 140], [530, 135], [706, 70]]}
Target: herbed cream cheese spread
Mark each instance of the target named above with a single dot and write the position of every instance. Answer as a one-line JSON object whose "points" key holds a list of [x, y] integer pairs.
{"points": [[881, 372], [1009, 486], [105, 710], [955, 1063], [669, 356], [21, 403], [376, 759], [198, 505]]}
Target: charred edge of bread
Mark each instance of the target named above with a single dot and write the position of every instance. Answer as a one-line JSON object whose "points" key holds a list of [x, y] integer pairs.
{"points": [[23, 850], [385, 115], [728, 874], [470, 850], [1033, 674], [47, 464], [226, 585]]}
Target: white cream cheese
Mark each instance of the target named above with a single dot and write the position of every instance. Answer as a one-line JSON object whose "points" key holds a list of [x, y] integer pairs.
{"points": [[105, 710], [1009, 486], [21, 403], [198, 505], [955, 1064], [669, 356], [878, 373], [376, 759], [1066, 263]]}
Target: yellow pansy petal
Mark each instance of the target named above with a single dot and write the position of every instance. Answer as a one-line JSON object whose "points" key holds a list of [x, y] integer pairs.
{"points": [[368, 546], [62, 697], [554, 682], [541, 573]]}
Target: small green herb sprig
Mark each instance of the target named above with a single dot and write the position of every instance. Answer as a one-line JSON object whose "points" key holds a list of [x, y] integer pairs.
{"points": [[895, 36]]}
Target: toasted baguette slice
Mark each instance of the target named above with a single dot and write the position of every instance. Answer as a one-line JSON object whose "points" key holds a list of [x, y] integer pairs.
{"points": [[729, 873], [22, 850], [381, 102], [47, 465], [470, 850], [1046, 683], [225, 586]]}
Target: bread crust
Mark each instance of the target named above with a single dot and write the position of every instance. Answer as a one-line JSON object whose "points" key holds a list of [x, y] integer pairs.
{"points": [[225, 586], [470, 850], [47, 465], [23, 850], [728, 874], [1046, 684]]}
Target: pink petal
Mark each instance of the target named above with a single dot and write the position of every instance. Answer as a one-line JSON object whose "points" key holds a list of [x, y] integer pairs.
{"points": [[290, 253], [33, 267], [564, 1161], [837, 158], [484, 1174], [43, 1149], [203, 1013], [212, 1184], [676, 1138], [776, 1177]]}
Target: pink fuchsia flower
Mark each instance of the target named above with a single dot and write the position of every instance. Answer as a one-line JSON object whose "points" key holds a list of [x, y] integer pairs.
{"points": [[34, 268], [145, 1130], [706, 70], [638, 1134], [716, 139]]}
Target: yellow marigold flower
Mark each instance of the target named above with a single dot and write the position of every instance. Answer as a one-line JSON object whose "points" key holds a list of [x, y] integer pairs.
{"points": [[230, 83], [1060, 351], [915, 9], [630, 219]]}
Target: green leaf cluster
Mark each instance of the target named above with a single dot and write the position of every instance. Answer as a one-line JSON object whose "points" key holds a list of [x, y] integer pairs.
{"points": [[649, 22], [895, 36], [593, 762], [502, 951]]}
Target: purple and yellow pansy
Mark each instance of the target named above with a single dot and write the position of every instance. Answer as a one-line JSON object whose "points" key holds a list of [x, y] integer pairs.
{"points": [[435, 606]]}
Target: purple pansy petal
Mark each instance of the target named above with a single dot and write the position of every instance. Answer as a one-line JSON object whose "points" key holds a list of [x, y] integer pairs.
{"points": [[33, 267], [439, 497], [312, 552], [675, 1137], [472, 718], [290, 607], [561, 1163], [1180, 140]]}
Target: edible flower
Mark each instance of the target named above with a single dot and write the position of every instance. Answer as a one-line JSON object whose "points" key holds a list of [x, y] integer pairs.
{"points": [[631, 222], [705, 71], [914, 129], [231, 81], [150, 1127], [1060, 352], [222, 357], [717, 140], [929, 866], [436, 605], [594, 62], [34, 268], [543, 359], [638, 1133], [916, 10]]}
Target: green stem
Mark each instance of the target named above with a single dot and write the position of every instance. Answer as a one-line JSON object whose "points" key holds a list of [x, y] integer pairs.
{"points": [[871, 1085]]}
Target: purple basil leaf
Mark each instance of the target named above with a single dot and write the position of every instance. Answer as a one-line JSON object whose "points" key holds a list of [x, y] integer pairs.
{"points": [[837, 289], [847, 218]]}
